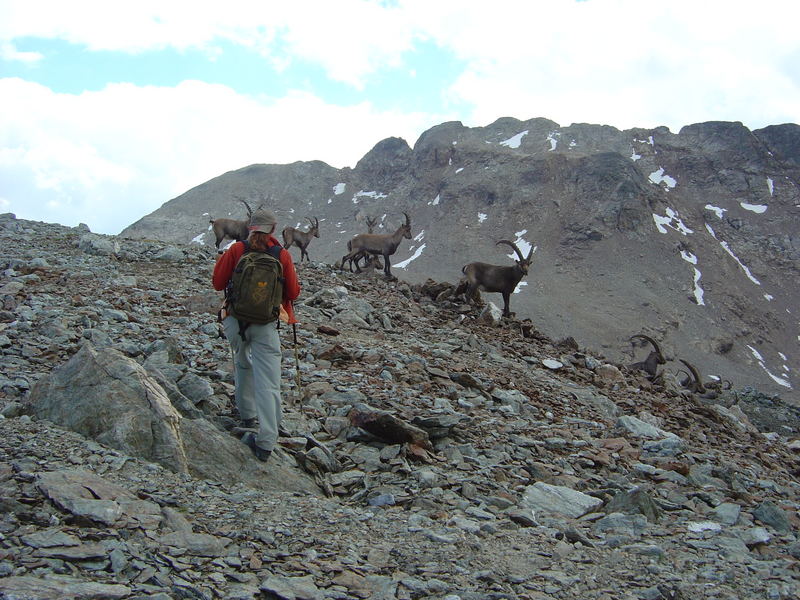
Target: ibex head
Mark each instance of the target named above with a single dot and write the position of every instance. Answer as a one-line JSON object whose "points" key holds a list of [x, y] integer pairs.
{"points": [[314, 226], [523, 262]]}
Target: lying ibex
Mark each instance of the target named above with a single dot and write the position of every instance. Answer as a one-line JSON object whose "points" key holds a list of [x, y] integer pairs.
{"points": [[650, 364], [694, 383], [493, 278], [299, 238], [384, 244], [231, 228]]}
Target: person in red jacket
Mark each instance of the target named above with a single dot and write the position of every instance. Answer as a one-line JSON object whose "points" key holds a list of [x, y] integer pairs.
{"points": [[257, 355]]}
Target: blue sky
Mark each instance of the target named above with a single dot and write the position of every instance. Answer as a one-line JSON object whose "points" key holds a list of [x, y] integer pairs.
{"points": [[110, 109]]}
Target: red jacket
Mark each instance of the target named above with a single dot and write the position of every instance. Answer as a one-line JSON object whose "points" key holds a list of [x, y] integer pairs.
{"points": [[227, 261]]}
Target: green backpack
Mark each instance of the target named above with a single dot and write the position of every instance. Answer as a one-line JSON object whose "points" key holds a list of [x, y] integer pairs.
{"points": [[255, 291]]}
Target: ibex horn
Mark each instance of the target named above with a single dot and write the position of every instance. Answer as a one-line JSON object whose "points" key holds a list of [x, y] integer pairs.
{"points": [[247, 206], [652, 341], [698, 383], [514, 246]]}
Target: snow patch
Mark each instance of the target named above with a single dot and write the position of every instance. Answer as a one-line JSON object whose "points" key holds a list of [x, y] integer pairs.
{"points": [[658, 177], [198, 239], [747, 272], [435, 201], [481, 217], [771, 186], [339, 188], [716, 210], [779, 380], [671, 220], [523, 245], [515, 141], [363, 194], [552, 137], [458, 170], [416, 255], [698, 291], [756, 208]]}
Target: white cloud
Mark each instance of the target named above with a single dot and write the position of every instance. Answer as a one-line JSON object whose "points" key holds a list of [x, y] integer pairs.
{"points": [[109, 157], [9, 52]]}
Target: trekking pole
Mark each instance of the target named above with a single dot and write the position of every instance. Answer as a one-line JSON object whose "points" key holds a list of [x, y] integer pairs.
{"points": [[296, 364]]}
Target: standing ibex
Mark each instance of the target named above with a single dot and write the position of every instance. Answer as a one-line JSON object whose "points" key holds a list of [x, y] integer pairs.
{"points": [[371, 260], [650, 364], [494, 278], [384, 244], [231, 228], [299, 238]]}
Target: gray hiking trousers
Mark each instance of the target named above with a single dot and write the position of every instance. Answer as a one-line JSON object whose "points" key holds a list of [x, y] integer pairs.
{"points": [[257, 376]]}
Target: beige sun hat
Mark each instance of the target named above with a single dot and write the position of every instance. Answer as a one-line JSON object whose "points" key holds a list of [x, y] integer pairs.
{"points": [[263, 220]]}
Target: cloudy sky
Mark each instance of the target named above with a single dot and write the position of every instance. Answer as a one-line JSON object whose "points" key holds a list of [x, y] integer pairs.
{"points": [[109, 109]]}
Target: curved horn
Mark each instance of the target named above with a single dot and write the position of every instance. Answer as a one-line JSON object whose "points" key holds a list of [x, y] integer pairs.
{"points": [[698, 382], [408, 219], [653, 342], [680, 372], [514, 246], [249, 210], [310, 221], [316, 221]]}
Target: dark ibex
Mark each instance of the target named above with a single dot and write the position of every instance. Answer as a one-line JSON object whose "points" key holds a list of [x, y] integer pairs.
{"points": [[493, 278], [371, 261], [299, 238], [231, 228], [650, 364], [694, 383], [384, 244]]}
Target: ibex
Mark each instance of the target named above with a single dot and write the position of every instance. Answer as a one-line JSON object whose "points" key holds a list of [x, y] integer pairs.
{"points": [[231, 228], [299, 238], [372, 261], [694, 383], [650, 364], [493, 278], [384, 244]]}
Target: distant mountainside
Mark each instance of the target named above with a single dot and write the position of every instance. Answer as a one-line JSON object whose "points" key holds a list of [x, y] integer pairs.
{"points": [[691, 238]]}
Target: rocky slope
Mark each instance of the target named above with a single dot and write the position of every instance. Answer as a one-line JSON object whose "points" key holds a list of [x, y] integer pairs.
{"points": [[429, 451], [689, 237]]}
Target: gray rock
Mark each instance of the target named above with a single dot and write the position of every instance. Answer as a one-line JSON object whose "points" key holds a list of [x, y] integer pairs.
{"points": [[112, 399], [291, 588], [56, 587], [774, 516], [558, 500]]}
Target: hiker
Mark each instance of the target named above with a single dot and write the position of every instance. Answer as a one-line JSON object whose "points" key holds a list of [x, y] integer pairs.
{"points": [[256, 347]]}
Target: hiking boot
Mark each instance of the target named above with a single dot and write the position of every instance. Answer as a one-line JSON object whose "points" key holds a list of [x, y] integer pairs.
{"points": [[250, 423], [261, 454]]}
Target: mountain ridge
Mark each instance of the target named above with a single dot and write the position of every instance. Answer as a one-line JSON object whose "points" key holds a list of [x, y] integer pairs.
{"points": [[689, 237]]}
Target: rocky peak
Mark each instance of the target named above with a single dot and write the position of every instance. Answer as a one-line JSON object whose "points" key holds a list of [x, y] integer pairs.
{"points": [[690, 236]]}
